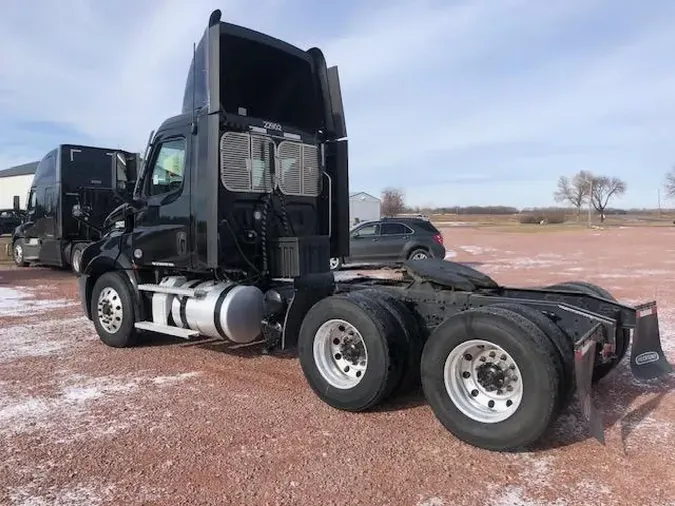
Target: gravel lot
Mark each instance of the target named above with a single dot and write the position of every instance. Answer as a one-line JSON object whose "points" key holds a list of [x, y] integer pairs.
{"points": [[175, 423]]}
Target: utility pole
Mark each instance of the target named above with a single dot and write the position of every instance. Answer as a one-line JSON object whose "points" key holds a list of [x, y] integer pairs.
{"points": [[590, 202], [659, 194]]}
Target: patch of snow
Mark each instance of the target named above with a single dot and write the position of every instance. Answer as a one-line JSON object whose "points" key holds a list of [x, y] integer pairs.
{"points": [[70, 412], [476, 250], [442, 224], [431, 501], [72, 495], [516, 496], [163, 380], [17, 303], [47, 338], [538, 469], [450, 254]]}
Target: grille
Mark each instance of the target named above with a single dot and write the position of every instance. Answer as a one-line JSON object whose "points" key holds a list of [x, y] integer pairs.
{"points": [[311, 176], [235, 149], [290, 180], [262, 154], [247, 163]]}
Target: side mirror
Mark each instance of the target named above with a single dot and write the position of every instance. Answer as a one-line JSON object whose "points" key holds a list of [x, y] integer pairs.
{"points": [[119, 171], [17, 203]]}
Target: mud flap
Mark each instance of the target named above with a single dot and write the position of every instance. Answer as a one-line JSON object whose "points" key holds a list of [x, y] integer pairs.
{"points": [[647, 359], [584, 360]]}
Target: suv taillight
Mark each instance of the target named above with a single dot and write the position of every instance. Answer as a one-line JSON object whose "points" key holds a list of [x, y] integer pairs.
{"points": [[439, 239]]}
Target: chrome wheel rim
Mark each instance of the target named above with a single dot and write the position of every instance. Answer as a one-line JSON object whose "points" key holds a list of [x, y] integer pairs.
{"points": [[340, 354], [420, 255], [18, 252], [109, 310], [76, 260], [483, 381], [334, 262]]}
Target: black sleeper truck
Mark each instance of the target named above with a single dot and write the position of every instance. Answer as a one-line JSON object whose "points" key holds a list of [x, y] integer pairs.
{"points": [[71, 195], [241, 203]]}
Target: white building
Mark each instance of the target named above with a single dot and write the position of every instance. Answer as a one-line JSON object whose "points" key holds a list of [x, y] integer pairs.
{"points": [[16, 181], [363, 207]]}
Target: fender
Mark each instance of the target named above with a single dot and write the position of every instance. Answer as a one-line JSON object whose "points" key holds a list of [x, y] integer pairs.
{"points": [[103, 256]]}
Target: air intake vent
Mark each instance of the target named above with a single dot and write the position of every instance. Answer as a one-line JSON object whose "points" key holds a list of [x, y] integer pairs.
{"points": [[246, 162], [299, 169], [290, 180]]}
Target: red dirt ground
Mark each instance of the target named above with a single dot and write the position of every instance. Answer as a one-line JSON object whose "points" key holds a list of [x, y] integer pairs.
{"points": [[193, 423]]}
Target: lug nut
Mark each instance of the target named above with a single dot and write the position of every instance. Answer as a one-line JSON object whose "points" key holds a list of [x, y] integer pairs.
{"points": [[508, 403], [492, 354], [491, 404], [503, 357], [466, 374], [474, 393], [468, 356]]}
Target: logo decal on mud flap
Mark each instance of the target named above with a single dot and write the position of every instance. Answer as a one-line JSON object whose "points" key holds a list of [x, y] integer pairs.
{"points": [[646, 358]]}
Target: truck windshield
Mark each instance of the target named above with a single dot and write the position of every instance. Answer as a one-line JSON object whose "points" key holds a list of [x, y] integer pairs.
{"points": [[265, 82]]}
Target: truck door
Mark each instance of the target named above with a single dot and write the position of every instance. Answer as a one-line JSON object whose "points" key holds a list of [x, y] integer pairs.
{"points": [[162, 229], [50, 246]]}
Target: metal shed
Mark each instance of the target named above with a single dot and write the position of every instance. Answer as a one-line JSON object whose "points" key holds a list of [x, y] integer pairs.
{"points": [[363, 207], [16, 181]]}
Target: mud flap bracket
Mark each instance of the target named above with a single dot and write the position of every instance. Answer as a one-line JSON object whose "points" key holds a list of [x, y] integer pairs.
{"points": [[584, 360], [647, 360]]}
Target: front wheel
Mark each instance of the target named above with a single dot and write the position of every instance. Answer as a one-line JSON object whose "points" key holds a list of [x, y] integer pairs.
{"points": [[18, 252], [112, 310], [492, 378]]}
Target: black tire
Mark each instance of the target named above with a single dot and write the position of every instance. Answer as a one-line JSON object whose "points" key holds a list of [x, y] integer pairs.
{"points": [[535, 356], [19, 256], [76, 257], [600, 370], [412, 339], [421, 252], [124, 334], [379, 331], [562, 343]]}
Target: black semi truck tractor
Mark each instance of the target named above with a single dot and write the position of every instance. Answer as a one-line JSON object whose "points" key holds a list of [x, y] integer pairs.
{"points": [[242, 200], [69, 199]]}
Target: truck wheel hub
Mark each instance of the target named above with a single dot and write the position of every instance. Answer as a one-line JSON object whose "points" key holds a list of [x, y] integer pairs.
{"points": [[483, 381], [109, 310], [490, 377], [340, 354]]}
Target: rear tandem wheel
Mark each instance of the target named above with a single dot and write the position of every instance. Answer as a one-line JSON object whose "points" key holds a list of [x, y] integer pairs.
{"points": [[492, 378], [600, 369], [348, 349]]}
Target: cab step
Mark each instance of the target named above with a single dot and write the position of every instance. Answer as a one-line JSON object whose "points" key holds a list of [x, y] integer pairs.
{"points": [[184, 292], [167, 329]]}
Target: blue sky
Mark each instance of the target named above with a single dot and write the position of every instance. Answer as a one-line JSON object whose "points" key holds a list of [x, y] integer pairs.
{"points": [[457, 102]]}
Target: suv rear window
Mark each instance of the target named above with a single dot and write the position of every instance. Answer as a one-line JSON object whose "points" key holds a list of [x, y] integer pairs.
{"points": [[427, 226], [394, 229]]}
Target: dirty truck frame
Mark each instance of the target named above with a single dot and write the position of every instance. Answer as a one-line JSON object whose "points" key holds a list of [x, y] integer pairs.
{"points": [[232, 238]]}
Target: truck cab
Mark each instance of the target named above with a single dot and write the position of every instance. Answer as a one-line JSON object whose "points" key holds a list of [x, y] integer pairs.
{"points": [[255, 163], [69, 176]]}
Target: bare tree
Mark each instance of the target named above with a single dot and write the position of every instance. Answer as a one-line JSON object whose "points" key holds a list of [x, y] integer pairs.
{"points": [[603, 189], [670, 184], [574, 190], [393, 202]]}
